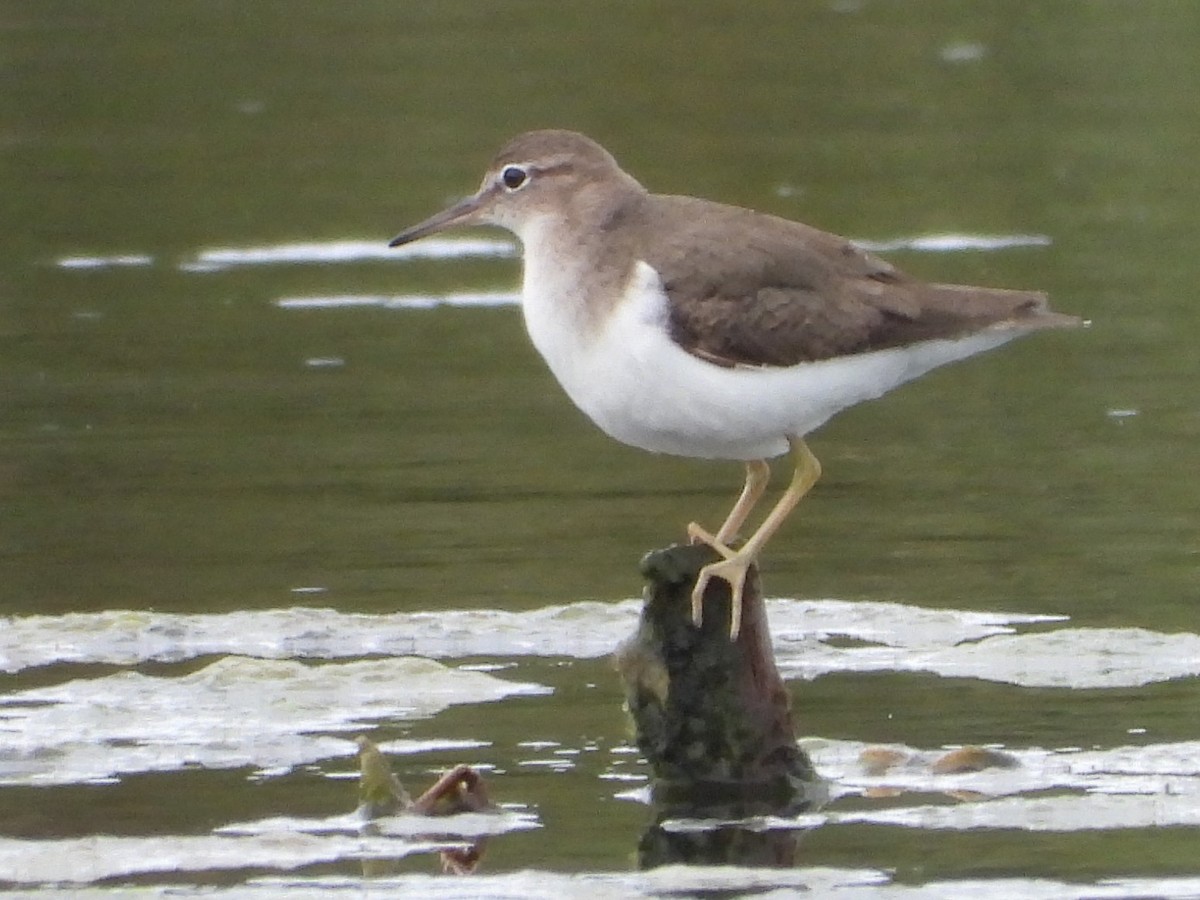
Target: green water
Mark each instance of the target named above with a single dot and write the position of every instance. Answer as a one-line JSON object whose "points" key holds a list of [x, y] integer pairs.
{"points": [[166, 442]]}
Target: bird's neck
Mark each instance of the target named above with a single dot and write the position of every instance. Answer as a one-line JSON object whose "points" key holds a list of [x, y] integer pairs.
{"points": [[580, 260]]}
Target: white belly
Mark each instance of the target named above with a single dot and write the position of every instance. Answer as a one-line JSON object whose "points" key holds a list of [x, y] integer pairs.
{"points": [[634, 382]]}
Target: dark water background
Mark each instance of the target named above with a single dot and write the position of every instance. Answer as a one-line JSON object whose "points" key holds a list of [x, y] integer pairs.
{"points": [[171, 440]]}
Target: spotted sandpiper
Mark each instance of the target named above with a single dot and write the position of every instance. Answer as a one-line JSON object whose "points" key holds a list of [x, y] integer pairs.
{"points": [[689, 327]]}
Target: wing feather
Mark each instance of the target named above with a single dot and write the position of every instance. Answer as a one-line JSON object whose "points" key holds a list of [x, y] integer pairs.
{"points": [[753, 290]]}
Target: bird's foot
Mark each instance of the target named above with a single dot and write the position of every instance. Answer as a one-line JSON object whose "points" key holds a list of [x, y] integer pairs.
{"points": [[732, 570], [699, 535]]}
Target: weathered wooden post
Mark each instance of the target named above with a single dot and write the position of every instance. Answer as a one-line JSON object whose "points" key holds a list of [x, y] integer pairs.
{"points": [[712, 715]]}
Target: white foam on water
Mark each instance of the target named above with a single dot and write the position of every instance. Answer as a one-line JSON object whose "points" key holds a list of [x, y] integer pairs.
{"points": [[956, 243], [1092, 812], [1064, 813], [217, 259], [90, 859], [124, 637], [1074, 658], [809, 637], [660, 883], [1147, 770], [402, 301], [346, 251], [1149, 786], [962, 52], [462, 825], [129, 260], [272, 715], [261, 706]]}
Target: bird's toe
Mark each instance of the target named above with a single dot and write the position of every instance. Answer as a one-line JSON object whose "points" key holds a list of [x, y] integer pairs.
{"points": [[697, 534]]}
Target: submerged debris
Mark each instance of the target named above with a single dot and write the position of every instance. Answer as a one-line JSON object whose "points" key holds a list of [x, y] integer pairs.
{"points": [[380, 792], [969, 758], [879, 761], [459, 790], [972, 759]]}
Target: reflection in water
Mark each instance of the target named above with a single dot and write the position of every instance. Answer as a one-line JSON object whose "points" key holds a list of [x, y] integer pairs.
{"points": [[720, 845]]}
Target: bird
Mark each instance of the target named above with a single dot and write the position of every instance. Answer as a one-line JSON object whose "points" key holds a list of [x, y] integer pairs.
{"points": [[686, 326]]}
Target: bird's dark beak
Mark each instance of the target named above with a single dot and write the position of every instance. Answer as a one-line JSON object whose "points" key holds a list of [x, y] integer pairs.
{"points": [[463, 212]]}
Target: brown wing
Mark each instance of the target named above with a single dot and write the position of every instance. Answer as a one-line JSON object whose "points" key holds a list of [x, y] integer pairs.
{"points": [[751, 289]]}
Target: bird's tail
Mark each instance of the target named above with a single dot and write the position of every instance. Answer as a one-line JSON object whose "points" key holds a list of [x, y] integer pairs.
{"points": [[1025, 310]]}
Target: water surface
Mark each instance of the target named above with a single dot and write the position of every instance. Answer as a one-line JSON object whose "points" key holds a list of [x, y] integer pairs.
{"points": [[266, 485]]}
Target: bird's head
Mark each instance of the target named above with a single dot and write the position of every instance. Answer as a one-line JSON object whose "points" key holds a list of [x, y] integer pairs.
{"points": [[537, 177]]}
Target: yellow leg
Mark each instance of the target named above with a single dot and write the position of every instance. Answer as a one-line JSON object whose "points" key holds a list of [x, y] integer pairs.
{"points": [[736, 564], [758, 473]]}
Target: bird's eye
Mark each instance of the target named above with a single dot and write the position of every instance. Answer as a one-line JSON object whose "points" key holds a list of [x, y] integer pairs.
{"points": [[514, 177]]}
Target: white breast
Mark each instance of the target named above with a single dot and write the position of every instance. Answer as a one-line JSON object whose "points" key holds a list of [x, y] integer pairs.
{"points": [[632, 380]]}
